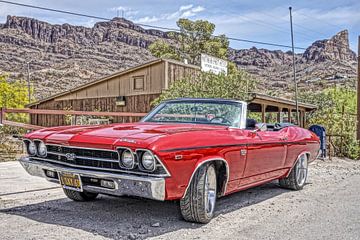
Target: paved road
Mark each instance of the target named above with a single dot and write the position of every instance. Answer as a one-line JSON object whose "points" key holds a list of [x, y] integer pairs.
{"points": [[327, 208]]}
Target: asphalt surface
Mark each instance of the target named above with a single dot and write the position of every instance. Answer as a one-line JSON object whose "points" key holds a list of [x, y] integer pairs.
{"points": [[327, 208]]}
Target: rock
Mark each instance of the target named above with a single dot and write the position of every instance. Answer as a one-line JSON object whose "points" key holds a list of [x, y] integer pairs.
{"points": [[335, 48], [132, 236], [155, 224]]}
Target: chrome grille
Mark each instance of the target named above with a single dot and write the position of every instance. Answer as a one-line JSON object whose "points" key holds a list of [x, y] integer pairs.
{"points": [[92, 159]]}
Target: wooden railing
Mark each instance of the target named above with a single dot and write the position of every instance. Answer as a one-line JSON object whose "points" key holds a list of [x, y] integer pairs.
{"points": [[4, 111]]}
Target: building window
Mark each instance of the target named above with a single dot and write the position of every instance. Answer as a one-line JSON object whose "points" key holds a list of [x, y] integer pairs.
{"points": [[138, 83]]}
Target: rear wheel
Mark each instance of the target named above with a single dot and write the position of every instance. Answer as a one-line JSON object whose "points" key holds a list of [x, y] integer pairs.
{"points": [[80, 196], [297, 177], [198, 204]]}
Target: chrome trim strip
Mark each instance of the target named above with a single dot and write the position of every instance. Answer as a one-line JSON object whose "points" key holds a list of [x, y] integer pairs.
{"points": [[27, 146], [37, 147], [86, 158], [206, 161], [140, 159], [120, 157], [69, 146], [96, 168]]}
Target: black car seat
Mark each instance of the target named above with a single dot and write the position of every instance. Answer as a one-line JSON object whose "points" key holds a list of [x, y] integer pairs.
{"points": [[250, 124]]}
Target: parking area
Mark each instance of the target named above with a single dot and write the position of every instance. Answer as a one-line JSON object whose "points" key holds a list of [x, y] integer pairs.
{"points": [[327, 208]]}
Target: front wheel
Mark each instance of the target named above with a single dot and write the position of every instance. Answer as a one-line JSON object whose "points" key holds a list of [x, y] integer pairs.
{"points": [[198, 204], [297, 177], [80, 196]]}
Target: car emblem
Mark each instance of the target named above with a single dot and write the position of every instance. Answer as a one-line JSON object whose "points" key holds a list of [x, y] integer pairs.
{"points": [[59, 149], [70, 156], [128, 140]]}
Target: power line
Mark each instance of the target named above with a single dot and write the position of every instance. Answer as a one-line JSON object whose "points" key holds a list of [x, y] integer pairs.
{"points": [[143, 25], [308, 29], [273, 26]]}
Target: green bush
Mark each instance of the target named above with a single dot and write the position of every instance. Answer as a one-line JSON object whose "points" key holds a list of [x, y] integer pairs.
{"points": [[337, 113]]}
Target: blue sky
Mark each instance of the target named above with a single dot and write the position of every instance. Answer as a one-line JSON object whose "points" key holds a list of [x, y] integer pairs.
{"points": [[259, 20]]}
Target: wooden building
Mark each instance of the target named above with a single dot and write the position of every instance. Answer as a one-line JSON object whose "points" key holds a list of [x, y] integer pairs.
{"points": [[134, 89], [131, 90]]}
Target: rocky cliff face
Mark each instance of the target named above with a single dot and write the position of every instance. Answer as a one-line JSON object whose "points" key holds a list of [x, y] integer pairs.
{"points": [[64, 56], [336, 49], [325, 62], [116, 30]]}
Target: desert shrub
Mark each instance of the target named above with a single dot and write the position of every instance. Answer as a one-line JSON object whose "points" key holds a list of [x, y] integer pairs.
{"points": [[337, 113], [12, 95]]}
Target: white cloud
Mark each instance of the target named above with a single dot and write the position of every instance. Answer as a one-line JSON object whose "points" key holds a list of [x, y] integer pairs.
{"points": [[184, 11], [185, 7], [147, 19]]}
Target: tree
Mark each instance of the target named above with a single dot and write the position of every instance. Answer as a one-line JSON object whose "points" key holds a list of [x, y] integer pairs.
{"points": [[13, 95], [207, 85], [194, 38]]}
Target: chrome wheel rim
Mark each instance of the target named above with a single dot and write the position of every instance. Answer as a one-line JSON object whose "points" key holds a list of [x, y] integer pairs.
{"points": [[301, 170], [210, 191]]}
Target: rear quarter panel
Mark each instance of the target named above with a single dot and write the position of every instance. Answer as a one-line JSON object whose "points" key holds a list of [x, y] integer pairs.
{"points": [[301, 141]]}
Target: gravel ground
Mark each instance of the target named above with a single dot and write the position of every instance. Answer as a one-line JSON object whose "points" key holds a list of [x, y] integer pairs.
{"points": [[327, 208]]}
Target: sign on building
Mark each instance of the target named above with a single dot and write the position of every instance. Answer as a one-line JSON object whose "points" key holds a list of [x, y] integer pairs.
{"points": [[213, 64]]}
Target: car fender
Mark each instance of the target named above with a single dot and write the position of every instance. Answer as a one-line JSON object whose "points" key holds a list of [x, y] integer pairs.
{"points": [[203, 161]]}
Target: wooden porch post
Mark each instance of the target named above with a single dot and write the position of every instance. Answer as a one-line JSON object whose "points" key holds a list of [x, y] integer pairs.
{"points": [[289, 114], [263, 110], [279, 114]]}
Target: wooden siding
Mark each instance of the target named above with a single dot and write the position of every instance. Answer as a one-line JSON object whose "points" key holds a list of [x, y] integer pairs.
{"points": [[138, 103], [177, 72], [123, 85], [101, 96]]}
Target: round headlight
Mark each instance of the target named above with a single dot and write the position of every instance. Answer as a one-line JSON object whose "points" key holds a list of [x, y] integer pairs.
{"points": [[42, 151], [127, 159], [148, 161], [32, 148]]}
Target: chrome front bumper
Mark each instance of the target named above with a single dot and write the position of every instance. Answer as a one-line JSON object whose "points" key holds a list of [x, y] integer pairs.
{"points": [[125, 184]]}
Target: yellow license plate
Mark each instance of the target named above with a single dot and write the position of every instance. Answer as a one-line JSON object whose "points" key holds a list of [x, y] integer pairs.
{"points": [[70, 181]]}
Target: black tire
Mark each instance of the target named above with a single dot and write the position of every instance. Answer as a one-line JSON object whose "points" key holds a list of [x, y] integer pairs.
{"points": [[80, 196], [292, 181], [195, 205]]}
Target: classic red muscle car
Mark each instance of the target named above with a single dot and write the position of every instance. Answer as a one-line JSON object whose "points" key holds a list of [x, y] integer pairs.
{"points": [[192, 150]]}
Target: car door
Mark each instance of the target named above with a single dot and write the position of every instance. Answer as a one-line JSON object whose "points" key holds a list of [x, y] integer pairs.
{"points": [[266, 155]]}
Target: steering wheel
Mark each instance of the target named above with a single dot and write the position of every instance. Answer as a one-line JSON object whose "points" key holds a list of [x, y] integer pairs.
{"points": [[277, 126], [223, 120]]}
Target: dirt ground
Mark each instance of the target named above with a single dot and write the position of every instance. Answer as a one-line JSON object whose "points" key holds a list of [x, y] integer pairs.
{"points": [[327, 208]]}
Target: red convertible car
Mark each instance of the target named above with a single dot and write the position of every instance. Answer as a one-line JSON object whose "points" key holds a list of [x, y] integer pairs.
{"points": [[192, 150]]}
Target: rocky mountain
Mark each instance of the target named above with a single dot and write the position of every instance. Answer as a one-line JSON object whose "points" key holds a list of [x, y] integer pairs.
{"points": [[325, 62], [64, 56]]}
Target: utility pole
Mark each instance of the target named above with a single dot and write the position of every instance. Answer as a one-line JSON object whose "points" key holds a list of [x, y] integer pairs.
{"points": [[294, 69], [28, 81], [358, 93]]}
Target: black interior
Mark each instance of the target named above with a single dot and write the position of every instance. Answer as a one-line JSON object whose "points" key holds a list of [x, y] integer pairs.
{"points": [[251, 125]]}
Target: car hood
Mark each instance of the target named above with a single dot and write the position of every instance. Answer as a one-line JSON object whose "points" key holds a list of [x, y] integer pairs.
{"points": [[105, 135]]}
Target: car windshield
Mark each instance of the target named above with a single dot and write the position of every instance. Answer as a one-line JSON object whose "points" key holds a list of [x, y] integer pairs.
{"points": [[215, 113]]}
